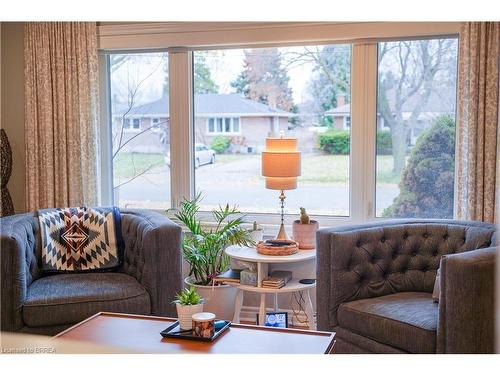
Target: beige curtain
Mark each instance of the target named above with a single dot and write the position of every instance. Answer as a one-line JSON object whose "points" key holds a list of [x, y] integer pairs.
{"points": [[477, 121], [61, 114]]}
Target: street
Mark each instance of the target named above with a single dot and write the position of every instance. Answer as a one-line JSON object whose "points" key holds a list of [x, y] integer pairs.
{"points": [[240, 183]]}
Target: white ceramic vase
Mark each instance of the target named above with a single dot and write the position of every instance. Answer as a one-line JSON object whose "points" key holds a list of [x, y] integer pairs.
{"points": [[218, 299], [185, 312]]}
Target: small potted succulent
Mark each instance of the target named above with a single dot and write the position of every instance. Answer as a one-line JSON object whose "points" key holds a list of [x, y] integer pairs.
{"points": [[187, 302], [304, 231]]}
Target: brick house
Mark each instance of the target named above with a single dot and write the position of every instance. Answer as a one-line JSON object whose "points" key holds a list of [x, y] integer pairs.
{"points": [[436, 106], [246, 122]]}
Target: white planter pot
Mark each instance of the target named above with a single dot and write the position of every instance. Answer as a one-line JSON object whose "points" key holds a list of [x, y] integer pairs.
{"points": [[218, 300], [185, 312]]}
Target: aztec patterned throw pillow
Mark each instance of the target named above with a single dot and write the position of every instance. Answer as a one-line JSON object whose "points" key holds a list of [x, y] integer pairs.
{"points": [[80, 239]]}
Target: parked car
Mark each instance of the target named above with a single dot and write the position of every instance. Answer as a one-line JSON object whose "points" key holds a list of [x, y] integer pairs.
{"points": [[202, 155]]}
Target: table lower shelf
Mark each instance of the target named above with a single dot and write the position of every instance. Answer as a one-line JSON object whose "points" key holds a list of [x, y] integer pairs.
{"points": [[292, 286]]}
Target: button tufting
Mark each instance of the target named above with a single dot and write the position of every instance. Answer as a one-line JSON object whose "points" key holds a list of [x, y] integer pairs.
{"points": [[382, 239], [358, 244], [426, 235], [445, 237]]}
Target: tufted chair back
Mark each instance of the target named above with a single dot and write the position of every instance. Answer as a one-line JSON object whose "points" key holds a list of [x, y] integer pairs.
{"points": [[26, 228], [388, 257]]}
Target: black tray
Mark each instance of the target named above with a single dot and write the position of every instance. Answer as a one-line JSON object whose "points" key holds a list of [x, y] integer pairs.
{"points": [[174, 331]]}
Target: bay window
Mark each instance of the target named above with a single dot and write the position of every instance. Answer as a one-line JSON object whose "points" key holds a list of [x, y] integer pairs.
{"points": [[374, 121]]}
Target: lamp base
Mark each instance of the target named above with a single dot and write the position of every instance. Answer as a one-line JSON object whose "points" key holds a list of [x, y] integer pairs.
{"points": [[282, 234]]}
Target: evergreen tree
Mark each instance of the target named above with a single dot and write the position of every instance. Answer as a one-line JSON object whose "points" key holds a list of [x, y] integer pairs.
{"points": [[427, 185], [331, 77], [203, 82]]}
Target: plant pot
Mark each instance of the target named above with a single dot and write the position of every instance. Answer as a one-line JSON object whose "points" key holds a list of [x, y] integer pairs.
{"points": [[185, 312], [305, 234], [218, 299]]}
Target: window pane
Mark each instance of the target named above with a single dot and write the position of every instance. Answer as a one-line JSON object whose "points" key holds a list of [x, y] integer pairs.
{"points": [[227, 128], [219, 125], [141, 159], [302, 91], [416, 104], [236, 125], [211, 126]]}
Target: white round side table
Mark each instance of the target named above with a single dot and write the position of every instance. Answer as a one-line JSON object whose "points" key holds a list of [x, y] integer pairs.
{"points": [[250, 254]]}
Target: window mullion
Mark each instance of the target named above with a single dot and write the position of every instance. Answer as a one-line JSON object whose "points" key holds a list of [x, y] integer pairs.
{"points": [[106, 163], [370, 129], [181, 125], [363, 131]]}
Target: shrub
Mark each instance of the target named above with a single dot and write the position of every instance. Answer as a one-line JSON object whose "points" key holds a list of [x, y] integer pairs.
{"points": [[335, 142], [220, 144], [384, 142], [338, 142], [427, 184]]}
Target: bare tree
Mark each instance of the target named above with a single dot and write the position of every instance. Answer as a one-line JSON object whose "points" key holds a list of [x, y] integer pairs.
{"points": [[407, 84], [133, 91]]}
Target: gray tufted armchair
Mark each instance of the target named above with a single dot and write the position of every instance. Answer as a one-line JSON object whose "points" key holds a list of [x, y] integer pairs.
{"points": [[146, 283], [375, 284]]}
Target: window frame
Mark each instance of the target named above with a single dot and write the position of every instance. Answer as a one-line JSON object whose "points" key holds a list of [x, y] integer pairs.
{"points": [[346, 123], [130, 127], [215, 132], [364, 66]]}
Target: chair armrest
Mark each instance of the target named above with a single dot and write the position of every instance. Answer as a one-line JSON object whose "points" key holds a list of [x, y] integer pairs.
{"points": [[335, 283], [153, 256], [466, 302], [17, 253]]}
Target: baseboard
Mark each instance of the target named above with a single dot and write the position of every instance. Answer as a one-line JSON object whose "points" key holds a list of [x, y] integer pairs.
{"points": [[249, 314]]}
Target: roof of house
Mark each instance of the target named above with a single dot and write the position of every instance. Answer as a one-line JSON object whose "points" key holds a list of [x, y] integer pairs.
{"points": [[436, 104], [208, 105]]}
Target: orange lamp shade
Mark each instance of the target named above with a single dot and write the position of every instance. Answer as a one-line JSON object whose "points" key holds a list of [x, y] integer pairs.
{"points": [[281, 163]]}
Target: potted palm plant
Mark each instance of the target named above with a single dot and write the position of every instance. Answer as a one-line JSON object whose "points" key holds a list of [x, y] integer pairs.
{"points": [[203, 249], [187, 303]]}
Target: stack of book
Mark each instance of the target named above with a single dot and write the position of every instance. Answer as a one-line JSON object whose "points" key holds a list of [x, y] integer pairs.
{"points": [[277, 279], [230, 276]]}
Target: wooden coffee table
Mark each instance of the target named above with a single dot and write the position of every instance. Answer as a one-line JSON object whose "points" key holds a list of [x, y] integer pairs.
{"points": [[141, 334]]}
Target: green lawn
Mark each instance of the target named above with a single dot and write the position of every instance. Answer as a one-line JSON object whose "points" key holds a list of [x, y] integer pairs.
{"points": [[128, 165]]}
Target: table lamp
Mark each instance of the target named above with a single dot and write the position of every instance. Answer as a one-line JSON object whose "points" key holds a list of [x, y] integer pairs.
{"points": [[281, 167]]}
